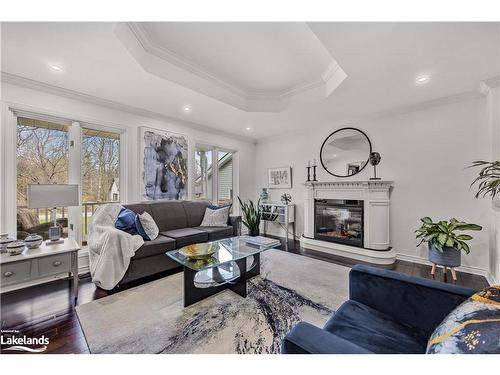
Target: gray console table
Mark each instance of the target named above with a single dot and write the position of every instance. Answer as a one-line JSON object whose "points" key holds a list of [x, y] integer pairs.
{"points": [[19, 271], [285, 215]]}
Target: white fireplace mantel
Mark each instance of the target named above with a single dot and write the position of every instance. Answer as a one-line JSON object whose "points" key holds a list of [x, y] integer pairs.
{"points": [[375, 195]]}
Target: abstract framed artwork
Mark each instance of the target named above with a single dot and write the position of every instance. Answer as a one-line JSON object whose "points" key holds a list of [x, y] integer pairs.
{"points": [[279, 178], [163, 164]]}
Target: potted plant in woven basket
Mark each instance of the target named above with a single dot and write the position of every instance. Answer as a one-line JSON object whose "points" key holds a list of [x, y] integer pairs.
{"points": [[446, 240]]}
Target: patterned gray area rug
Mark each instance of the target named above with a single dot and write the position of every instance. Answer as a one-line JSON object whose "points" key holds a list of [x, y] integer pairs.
{"points": [[151, 318]]}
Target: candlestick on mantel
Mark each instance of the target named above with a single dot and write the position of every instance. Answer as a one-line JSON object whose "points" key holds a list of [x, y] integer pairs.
{"points": [[308, 163]]}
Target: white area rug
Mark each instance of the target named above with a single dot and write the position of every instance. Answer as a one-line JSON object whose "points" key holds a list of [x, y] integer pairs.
{"points": [[151, 318]]}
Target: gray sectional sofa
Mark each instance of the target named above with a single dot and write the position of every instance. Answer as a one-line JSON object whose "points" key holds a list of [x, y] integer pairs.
{"points": [[179, 224]]}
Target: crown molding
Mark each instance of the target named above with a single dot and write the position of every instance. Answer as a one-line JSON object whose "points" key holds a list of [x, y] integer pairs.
{"points": [[488, 84], [75, 95], [161, 61]]}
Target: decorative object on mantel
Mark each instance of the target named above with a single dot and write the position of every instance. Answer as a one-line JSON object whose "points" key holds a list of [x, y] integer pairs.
{"points": [[375, 160], [313, 166], [488, 179], [286, 198], [279, 178], [444, 243], [345, 152], [264, 196]]}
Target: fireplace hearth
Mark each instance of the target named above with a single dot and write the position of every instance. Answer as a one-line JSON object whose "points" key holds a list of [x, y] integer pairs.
{"points": [[340, 221]]}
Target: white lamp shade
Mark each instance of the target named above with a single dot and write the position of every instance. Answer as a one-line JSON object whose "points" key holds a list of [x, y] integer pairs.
{"points": [[46, 195]]}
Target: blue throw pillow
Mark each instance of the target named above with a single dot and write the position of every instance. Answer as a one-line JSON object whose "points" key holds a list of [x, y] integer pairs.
{"points": [[218, 207], [126, 221], [473, 327]]}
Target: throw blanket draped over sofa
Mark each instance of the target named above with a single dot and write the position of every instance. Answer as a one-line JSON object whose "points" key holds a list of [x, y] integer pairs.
{"points": [[110, 248]]}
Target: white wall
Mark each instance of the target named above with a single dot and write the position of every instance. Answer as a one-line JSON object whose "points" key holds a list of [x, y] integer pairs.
{"points": [[425, 152], [42, 102]]}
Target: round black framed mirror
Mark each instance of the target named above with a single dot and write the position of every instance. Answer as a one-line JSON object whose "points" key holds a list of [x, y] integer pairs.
{"points": [[345, 152]]}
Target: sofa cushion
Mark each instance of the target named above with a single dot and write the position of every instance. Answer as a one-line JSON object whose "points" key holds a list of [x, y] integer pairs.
{"points": [[159, 245], [195, 211], [216, 233], [471, 328], [169, 215], [139, 208], [373, 330], [186, 236]]}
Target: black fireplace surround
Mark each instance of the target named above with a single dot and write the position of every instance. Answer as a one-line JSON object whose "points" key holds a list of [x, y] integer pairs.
{"points": [[339, 220]]}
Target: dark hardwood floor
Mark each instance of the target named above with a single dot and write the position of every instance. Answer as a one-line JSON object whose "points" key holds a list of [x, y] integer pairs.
{"points": [[46, 309]]}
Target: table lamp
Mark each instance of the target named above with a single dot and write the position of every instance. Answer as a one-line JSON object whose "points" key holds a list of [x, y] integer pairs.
{"points": [[53, 196]]}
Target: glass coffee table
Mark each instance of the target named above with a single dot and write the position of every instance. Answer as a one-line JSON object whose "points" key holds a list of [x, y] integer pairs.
{"points": [[229, 267]]}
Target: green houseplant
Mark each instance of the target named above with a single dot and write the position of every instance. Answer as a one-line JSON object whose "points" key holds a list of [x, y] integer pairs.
{"points": [[445, 243], [253, 214], [489, 178]]}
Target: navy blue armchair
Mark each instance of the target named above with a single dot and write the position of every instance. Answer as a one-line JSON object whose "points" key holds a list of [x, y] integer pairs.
{"points": [[387, 312]]}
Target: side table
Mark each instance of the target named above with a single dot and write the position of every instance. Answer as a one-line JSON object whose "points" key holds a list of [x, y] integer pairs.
{"points": [[40, 263]]}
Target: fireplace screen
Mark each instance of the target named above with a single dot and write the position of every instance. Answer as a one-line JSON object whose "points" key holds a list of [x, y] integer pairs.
{"points": [[340, 221]]}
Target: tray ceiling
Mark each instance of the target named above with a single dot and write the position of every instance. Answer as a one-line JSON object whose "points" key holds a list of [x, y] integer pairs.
{"points": [[259, 67]]}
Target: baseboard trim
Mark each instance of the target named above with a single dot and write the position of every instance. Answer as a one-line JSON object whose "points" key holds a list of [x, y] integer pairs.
{"points": [[468, 269]]}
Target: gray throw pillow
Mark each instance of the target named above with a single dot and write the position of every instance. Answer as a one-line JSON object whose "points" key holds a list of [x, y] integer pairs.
{"points": [[146, 226], [216, 218]]}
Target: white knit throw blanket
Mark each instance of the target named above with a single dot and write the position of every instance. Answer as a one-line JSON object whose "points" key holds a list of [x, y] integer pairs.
{"points": [[110, 249]]}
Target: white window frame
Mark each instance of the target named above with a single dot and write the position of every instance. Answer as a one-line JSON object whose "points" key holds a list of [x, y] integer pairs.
{"points": [[8, 164], [215, 170]]}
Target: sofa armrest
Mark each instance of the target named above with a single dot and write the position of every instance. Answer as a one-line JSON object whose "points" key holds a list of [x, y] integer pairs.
{"points": [[235, 222], [415, 301], [305, 338]]}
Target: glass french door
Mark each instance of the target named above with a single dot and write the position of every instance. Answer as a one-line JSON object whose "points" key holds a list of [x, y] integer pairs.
{"points": [[213, 174], [41, 158]]}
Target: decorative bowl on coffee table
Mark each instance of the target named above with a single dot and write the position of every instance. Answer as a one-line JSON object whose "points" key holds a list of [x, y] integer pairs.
{"points": [[199, 250]]}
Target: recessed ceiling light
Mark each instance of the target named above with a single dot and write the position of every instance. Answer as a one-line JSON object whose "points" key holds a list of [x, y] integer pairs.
{"points": [[248, 128], [55, 68], [422, 79], [186, 109]]}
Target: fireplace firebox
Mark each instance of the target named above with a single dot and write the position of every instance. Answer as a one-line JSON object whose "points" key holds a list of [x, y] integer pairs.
{"points": [[338, 220]]}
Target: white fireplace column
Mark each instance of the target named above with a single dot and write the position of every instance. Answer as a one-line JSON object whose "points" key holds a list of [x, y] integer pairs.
{"points": [[375, 195]]}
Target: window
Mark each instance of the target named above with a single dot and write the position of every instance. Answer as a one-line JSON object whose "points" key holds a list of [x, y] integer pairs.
{"points": [[214, 184], [100, 171], [42, 157], [203, 174], [225, 178]]}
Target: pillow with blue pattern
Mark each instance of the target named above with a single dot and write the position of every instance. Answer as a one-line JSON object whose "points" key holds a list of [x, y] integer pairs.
{"points": [[473, 327]]}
